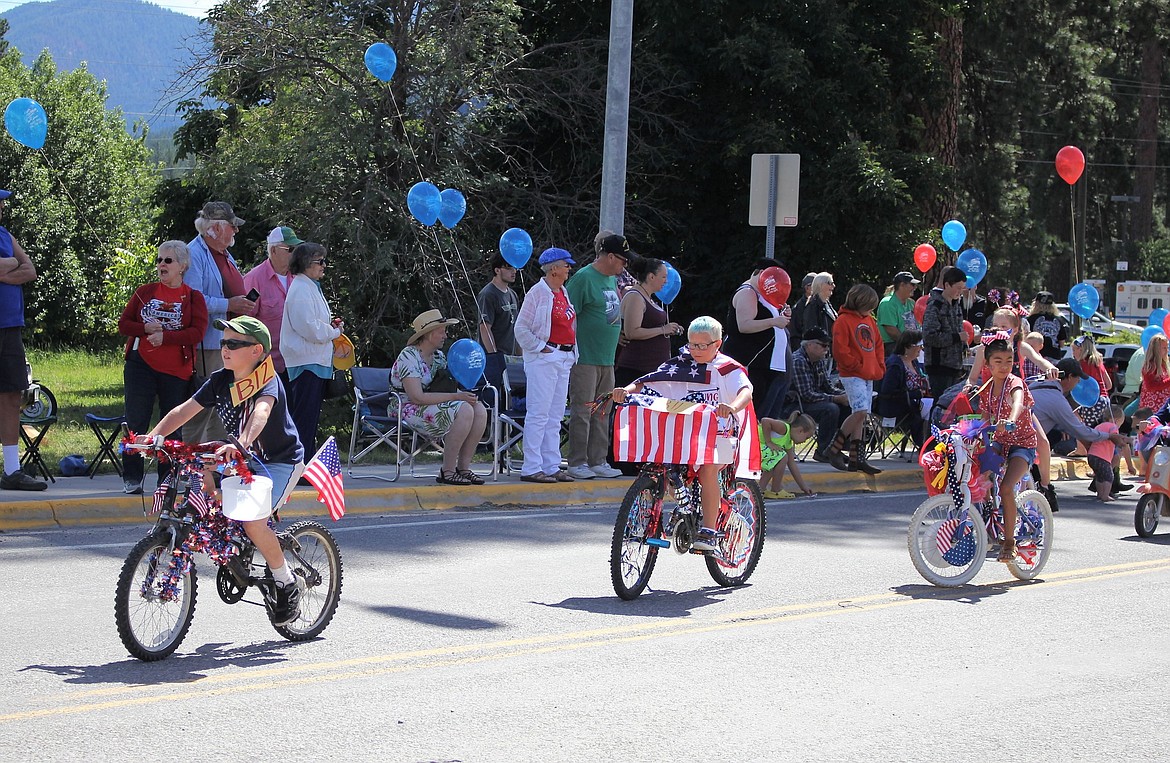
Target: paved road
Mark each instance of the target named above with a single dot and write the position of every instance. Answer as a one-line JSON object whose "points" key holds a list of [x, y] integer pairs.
{"points": [[495, 636]]}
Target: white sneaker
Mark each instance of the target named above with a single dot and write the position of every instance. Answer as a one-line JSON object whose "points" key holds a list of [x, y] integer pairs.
{"points": [[581, 472], [606, 471]]}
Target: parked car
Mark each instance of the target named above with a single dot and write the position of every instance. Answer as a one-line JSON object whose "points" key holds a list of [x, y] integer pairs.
{"points": [[1119, 352], [1100, 324]]}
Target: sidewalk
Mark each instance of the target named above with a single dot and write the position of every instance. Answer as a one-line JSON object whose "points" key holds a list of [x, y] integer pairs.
{"points": [[72, 501]]}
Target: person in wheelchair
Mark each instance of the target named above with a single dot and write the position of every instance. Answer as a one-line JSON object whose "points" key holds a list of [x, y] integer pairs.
{"points": [[705, 375]]}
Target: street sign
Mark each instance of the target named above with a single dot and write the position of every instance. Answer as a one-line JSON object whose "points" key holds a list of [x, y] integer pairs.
{"points": [[1122, 265], [785, 185]]}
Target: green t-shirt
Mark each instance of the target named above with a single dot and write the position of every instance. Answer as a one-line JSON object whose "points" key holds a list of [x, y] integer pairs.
{"points": [[891, 312], [599, 315]]}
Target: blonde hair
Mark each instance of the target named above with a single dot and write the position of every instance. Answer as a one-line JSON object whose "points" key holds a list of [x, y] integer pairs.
{"points": [[802, 421], [1034, 336], [1089, 352], [1157, 362]]}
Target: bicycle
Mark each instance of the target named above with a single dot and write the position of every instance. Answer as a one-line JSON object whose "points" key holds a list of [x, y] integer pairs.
{"points": [[642, 528], [1155, 503], [37, 402], [157, 588], [947, 545]]}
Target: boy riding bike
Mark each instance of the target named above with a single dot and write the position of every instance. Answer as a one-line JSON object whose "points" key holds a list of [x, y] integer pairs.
{"points": [[261, 423], [705, 376]]}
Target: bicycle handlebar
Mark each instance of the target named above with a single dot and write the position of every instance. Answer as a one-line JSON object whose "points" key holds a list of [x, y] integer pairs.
{"points": [[177, 451]]}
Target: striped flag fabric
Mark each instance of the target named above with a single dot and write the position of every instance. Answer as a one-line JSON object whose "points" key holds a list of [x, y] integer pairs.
{"points": [[324, 472], [650, 428], [160, 494]]}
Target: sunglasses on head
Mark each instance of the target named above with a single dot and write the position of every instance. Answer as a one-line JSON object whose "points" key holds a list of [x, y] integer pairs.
{"points": [[167, 260], [236, 344]]}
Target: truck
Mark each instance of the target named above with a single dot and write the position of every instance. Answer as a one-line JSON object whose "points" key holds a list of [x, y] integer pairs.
{"points": [[1137, 299]]}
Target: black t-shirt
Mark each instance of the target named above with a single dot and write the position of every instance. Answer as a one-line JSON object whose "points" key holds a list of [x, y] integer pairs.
{"points": [[1055, 330], [278, 442]]}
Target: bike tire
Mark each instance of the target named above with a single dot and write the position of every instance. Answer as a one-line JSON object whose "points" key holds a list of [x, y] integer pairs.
{"points": [[44, 408], [1032, 549], [631, 559], [922, 543], [1149, 510], [318, 550], [743, 541], [150, 628]]}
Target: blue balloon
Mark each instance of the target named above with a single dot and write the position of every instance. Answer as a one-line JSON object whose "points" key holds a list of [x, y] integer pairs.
{"points": [[1083, 300], [466, 361], [27, 122], [381, 61], [1087, 392], [974, 264], [672, 287], [1158, 317], [516, 246], [1148, 333], [423, 201], [452, 207], [954, 234]]}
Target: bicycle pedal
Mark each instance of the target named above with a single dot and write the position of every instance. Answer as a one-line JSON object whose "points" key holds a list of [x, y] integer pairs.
{"points": [[658, 542]]}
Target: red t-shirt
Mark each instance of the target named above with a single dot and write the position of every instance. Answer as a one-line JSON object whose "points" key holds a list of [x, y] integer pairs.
{"points": [[233, 281], [562, 320], [183, 315], [1097, 371]]}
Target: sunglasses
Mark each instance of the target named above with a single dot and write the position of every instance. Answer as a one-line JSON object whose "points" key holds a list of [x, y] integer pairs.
{"points": [[700, 346], [236, 344], [322, 261], [167, 260]]}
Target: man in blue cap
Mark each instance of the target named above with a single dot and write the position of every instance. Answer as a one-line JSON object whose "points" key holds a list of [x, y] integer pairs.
{"points": [[16, 269]]}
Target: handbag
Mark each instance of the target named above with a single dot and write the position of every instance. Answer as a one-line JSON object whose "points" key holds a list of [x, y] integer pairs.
{"points": [[443, 381], [338, 386]]}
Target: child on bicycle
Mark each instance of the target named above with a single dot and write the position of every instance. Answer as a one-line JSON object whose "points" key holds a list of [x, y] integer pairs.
{"points": [[1007, 404], [778, 439], [708, 376], [261, 424]]}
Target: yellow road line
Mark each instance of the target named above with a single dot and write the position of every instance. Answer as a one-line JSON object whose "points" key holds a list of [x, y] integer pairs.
{"points": [[440, 657]]}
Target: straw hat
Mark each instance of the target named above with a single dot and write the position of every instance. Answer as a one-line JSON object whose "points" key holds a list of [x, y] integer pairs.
{"points": [[429, 321]]}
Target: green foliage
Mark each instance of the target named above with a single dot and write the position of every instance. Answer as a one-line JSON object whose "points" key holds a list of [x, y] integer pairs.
{"points": [[76, 202], [129, 268]]}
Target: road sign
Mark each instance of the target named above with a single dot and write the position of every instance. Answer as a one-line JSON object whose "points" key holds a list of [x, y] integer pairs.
{"points": [[782, 178], [1122, 265]]}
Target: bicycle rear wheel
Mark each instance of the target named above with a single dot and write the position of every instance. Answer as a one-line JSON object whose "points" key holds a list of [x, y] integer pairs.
{"points": [[1149, 510], [631, 558], [1034, 538], [316, 564], [743, 536], [946, 546], [152, 620]]}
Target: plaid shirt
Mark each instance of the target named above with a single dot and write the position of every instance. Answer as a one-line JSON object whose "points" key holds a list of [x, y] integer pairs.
{"points": [[811, 378]]}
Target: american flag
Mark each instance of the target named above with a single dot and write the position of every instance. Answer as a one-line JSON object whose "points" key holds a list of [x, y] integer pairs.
{"points": [[324, 471], [196, 498], [945, 535], [160, 494], [660, 430]]}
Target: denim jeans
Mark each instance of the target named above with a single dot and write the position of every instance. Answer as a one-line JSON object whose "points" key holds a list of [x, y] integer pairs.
{"points": [[144, 386]]}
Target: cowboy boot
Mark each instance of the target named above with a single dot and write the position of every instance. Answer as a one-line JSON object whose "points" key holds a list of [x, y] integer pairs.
{"points": [[857, 462], [832, 455]]}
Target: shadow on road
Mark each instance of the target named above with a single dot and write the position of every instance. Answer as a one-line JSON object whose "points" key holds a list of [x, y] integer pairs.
{"points": [[439, 619], [653, 603], [968, 594], [176, 669], [1157, 540]]}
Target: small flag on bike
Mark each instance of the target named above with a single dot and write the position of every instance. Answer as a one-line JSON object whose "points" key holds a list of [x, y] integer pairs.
{"points": [[324, 472], [160, 494]]}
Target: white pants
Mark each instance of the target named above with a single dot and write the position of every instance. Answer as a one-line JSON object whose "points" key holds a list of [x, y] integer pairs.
{"points": [[547, 375]]}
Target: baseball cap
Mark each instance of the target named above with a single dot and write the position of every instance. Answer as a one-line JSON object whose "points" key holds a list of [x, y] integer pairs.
{"points": [[220, 210], [1070, 367], [807, 280], [552, 254], [1045, 298], [817, 334], [616, 244], [905, 277], [282, 234], [248, 326]]}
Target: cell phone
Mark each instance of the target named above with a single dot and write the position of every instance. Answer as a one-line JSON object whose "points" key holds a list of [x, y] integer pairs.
{"points": [[252, 295]]}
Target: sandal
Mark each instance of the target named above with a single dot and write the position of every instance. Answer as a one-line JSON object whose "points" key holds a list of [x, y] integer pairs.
{"points": [[470, 476], [456, 477], [1007, 552]]}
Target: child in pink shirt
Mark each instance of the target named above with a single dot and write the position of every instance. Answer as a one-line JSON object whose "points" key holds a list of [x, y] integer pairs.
{"points": [[1101, 454]]}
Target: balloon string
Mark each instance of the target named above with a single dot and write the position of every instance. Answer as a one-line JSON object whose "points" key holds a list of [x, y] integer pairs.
{"points": [[406, 134], [1072, 216], [77, 207], [450, 278]]}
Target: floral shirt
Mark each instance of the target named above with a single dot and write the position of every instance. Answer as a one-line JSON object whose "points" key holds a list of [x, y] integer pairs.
{"points": [[998, 406]]}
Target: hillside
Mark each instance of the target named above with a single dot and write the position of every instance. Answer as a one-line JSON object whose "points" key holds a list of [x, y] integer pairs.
{"points": [[136, 47]]}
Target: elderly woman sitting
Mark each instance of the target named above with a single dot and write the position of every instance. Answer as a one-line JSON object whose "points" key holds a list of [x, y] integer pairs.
{"points": [[458, 417]]}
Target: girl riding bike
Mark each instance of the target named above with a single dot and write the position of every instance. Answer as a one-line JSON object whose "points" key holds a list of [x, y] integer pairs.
{"points": [[722, 383]]}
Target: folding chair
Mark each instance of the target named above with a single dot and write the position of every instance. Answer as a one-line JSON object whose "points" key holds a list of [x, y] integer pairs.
{"points": [[32, 433], [107, 430], [510, 422]]}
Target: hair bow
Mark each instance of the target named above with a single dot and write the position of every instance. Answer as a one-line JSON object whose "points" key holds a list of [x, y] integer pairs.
{"points": [[994, 296], [995, 336]]}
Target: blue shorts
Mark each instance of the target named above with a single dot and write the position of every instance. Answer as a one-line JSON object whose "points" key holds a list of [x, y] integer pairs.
{"points": [[280, 474], [1019, 451]]}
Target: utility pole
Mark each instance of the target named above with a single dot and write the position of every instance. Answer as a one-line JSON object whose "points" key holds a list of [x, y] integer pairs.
{"points": [[617, 116]]}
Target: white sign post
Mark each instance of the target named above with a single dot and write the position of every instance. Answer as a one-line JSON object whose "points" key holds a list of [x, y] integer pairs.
{"points": [[775, 194]]}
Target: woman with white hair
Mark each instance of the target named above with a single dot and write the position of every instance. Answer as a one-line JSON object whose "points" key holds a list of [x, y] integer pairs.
{"points": [[819, 310], [546, 330], [163, 323]]}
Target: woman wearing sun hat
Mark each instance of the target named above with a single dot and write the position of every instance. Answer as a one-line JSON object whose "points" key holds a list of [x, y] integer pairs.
{"points": [[458, 417], [546, 330]]}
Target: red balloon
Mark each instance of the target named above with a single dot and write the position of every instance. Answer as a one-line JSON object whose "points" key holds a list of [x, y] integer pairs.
{"points": [[920, 308], [969, 331], [775, 285], [1070, 163], [1165, 323], [925, 257]]}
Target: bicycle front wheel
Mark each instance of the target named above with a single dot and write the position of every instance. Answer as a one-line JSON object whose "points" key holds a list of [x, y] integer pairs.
{"points": [[152, 615], [631, 558], [316, 564], [1034, 537], [743, 536], [947, 546], [1149, 510]]}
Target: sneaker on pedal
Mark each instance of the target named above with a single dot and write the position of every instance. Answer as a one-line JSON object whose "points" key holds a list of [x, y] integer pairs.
{"points": [[284, 606], [706, 540]]}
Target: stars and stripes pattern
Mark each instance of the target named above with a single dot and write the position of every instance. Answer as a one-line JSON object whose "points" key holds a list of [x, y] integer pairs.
{"points": [[324, 472], [160, 494], [655, 429], [196, 498]]}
